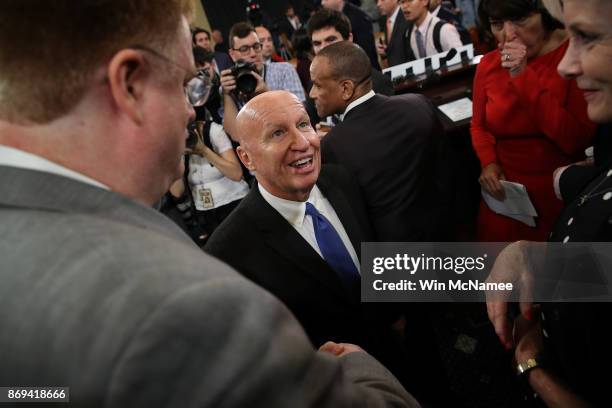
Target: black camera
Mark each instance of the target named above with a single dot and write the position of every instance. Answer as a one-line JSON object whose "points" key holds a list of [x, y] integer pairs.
{"points": [[246, 82], [194, 130]]}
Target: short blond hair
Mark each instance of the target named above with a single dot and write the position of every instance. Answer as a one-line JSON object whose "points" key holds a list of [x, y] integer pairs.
{"points": [[49, 50]]}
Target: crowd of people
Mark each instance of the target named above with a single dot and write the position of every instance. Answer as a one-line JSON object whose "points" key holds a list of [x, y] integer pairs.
{"points": [[183, 214]]}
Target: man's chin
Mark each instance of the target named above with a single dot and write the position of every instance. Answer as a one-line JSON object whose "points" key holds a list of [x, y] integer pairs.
{"points": [[322, 113]]}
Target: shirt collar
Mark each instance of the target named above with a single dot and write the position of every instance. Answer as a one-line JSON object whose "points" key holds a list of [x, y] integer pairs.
{"points": [[394, 15], [292, 211], [356, 103], [425, 25], [18, 158], [436, 10]]}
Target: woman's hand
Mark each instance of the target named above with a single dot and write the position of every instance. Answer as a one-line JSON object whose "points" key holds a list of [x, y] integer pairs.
{"points": [[514, 57], [489, 180]]}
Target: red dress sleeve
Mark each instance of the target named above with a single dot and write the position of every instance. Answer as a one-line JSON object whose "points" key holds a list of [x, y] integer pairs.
{"points": [[563, 120]]}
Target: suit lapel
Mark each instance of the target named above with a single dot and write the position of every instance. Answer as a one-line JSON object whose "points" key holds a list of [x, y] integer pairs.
{"points": [[289, 244], [343, 210], [397, 26]]}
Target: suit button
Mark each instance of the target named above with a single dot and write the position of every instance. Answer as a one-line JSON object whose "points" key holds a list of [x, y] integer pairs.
{"points": [[607, 196], [570, 221]]}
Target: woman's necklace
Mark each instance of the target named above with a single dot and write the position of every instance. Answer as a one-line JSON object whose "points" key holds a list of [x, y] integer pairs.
{"points": [[586, 197]]}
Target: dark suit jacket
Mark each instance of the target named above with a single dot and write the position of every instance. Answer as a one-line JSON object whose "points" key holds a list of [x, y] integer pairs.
{"points": [[223, 61], [257, 241], [285, 27], [363, 35], [398, 51], [396, 150]]}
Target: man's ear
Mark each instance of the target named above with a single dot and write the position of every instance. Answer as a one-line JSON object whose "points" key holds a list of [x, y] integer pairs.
{"points": [[244, 157], [348, 89], [350, 38], [234, 55], [127, 76]]}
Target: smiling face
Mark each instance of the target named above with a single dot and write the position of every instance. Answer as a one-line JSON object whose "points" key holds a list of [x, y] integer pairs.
{"points": [[279, 145], [589, 56]]}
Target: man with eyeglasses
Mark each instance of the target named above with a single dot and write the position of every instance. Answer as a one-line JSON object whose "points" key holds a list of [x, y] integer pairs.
{"points": [[246, 46], [100, 292]]}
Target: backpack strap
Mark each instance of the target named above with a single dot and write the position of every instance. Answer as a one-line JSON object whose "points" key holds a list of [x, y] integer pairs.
{"points": [[436, 35], [206, 134]]}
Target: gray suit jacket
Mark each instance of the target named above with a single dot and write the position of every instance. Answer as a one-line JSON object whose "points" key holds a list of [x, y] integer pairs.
{"points": [[111, 299]]}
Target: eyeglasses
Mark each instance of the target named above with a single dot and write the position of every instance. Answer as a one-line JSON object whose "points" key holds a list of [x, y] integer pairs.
{"points": [[245, 48]]}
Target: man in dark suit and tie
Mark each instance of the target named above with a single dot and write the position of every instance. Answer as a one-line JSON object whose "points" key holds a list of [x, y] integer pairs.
{"points": [[326, 27], [396, 150], [393, 146], [394, 51], [100, 292], [298, 232]]}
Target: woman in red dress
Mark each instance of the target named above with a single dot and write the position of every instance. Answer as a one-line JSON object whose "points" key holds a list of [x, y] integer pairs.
{"points": [[527, 120]]}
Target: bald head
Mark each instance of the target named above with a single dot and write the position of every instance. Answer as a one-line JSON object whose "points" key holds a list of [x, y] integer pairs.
{"points": [[279, 145], [253, 116]]}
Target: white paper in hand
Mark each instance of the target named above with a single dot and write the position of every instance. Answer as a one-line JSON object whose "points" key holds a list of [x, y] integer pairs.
{"points": [[517, 204]]}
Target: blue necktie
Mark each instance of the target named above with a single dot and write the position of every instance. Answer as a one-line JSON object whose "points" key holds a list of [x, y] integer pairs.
{"points": [[333, 249], [420, 44]]}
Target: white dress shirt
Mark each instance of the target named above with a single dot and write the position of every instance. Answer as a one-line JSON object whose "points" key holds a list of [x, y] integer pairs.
{"points": [[18, 158], [449, 36], [295, 214], [357, 102]]}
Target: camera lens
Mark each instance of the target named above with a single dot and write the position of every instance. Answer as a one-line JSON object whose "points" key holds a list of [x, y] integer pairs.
{"points": [[246, 82]]}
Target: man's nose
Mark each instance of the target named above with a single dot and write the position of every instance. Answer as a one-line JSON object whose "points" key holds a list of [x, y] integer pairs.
{"points": [[312, 93], [300, 141]]}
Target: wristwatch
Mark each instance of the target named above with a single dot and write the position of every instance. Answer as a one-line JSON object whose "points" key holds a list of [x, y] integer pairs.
{"points": [[525, 366]]}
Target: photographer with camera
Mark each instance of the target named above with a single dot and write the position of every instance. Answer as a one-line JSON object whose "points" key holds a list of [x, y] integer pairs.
{"points": [[250, 75], [212, 184], [204, 61]]}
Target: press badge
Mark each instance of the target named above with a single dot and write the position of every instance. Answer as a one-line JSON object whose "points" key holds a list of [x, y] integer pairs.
{"points": [[206, 198]]}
